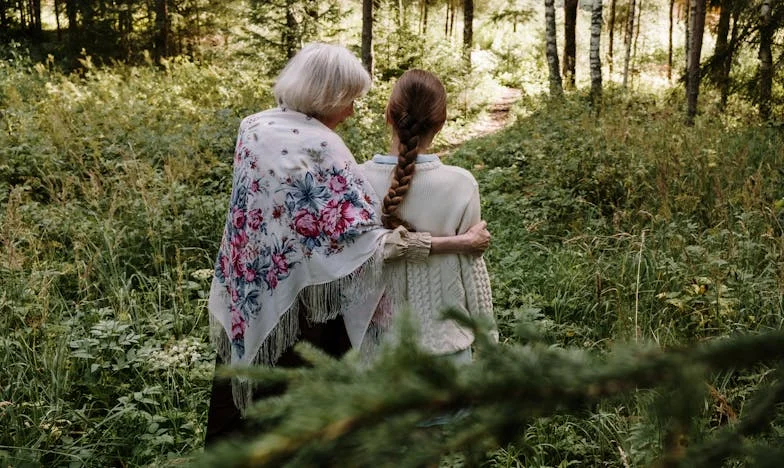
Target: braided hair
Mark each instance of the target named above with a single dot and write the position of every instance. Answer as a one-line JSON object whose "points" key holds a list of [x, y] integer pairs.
{"points": [[416, 111]]}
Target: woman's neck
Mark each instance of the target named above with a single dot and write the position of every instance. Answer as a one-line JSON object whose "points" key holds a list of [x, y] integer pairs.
{"points": [[424, 145]]}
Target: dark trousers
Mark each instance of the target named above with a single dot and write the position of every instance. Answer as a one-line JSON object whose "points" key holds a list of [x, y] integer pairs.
{"points": [[224, 420]]}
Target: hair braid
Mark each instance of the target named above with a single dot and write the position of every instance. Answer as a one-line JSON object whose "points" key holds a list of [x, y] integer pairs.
{"points": [[416, 109], [401, 182]]}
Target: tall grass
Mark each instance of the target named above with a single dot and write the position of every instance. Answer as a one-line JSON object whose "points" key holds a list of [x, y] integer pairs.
{"points": [[630, 227]]}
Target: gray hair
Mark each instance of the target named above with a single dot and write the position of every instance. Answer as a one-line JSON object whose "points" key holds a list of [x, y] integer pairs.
{"points": [[321, 79]]}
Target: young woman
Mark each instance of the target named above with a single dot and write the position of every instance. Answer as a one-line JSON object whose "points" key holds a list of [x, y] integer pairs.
{"points": [[423, 194], [302, 247]]}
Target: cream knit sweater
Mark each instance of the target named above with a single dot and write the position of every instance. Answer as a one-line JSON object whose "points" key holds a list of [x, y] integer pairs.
{"points": [[444, 201]]}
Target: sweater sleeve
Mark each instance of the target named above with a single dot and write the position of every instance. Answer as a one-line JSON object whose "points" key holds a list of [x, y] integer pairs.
{"points": [[476, 281], [473, 270], [412, 246], [472, 213]]}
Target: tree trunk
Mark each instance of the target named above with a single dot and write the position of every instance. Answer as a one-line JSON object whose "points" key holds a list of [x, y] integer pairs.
{"points": [[570, 44], [425, 10], [36, 18], [446, 20], [453, 8], [698, 28], [721, 50], [56, 19], [22, 7], [610, 59], [73, 28], [468, 29], [290, 34], [689, 20], [3, 18], [766, 59], [161, 29], [367, 35], [596, 62], [725, 79], [556, 88], [669, 43], [636, 38], [628, 41]]}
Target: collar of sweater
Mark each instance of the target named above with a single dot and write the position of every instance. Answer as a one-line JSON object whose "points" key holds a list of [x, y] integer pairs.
{"points": [[389, 159]]}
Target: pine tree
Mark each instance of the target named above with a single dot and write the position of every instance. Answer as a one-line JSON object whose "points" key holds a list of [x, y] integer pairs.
{"points": [[346, 413]]}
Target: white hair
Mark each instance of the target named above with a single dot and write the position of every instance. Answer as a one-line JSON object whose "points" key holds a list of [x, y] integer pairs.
{"points": [[321, 80]]}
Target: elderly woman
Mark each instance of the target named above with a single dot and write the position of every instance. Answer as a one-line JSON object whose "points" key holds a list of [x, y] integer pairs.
{"points": [[303, 247]]}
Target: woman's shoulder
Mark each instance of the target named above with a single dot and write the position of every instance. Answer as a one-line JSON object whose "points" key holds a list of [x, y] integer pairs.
{"points": [[373, 165], [457, 175]]}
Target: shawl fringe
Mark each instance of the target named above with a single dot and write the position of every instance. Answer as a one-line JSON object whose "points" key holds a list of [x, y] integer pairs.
{"points": [[320, 303]]}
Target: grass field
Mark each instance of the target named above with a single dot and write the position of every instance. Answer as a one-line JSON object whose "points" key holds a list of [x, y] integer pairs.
{"points": [[627, 227]]}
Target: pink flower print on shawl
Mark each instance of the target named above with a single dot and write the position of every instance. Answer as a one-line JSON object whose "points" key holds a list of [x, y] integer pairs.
{"points": [[337, 184], [272, 279], [280, 264], [255, 218], [237, 218], [336, 218], [305, 224], [237, 324]]}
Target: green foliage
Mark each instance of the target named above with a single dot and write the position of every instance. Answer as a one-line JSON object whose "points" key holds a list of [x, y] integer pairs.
{"points": [[286, 25], [113, 187], [344, 414]]}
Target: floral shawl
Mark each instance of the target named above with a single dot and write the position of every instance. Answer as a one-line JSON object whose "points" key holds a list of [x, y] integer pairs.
{"points": [[301, 231]]}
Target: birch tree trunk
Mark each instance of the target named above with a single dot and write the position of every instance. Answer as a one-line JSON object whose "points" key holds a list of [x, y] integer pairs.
{"points": [[556, 88], [367, 35], [636, 38], [669, 43], [766, 59], [596, 62], [570, 42], [698, 7], [628, 42]]}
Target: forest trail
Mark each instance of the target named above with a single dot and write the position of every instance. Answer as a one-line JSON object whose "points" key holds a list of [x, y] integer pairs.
{"points": [[495, 119]]}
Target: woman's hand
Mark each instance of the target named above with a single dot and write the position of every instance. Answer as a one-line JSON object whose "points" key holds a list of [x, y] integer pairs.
{"points": [[473, 242], [477, 239]]}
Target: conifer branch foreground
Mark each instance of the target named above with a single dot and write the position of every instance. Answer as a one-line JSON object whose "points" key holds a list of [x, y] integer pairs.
{"points": [[343, 413]]}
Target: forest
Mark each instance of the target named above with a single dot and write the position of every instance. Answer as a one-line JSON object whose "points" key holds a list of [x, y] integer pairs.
{"points": [[630, 161]]}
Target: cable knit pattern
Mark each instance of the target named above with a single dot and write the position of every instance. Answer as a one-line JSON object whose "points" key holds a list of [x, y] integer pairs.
{"points": [[443, 200]]}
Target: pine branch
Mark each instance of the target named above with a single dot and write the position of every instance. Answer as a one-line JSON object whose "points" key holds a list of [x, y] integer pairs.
{"points": [[366, 413]]}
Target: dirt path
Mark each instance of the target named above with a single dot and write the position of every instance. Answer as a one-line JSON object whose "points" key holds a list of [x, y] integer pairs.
{"points": [[499, 111], [496, 118]]}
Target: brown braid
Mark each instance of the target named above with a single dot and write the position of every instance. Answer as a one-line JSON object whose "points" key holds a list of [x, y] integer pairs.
{"points": [[416, 109]]}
